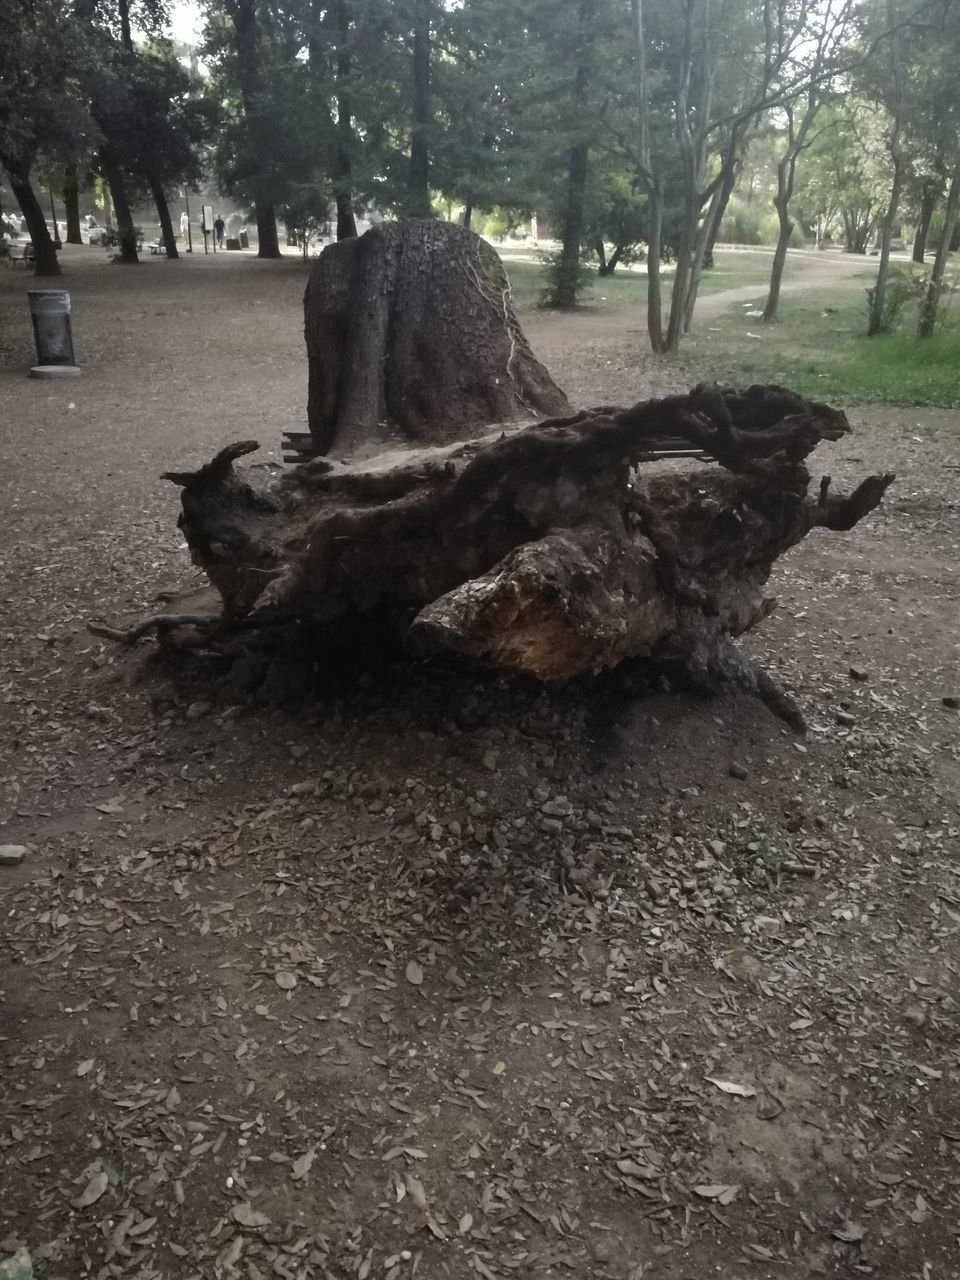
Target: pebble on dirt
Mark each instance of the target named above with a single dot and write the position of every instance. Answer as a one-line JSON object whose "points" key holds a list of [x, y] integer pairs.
{"points": [[11, 855]]}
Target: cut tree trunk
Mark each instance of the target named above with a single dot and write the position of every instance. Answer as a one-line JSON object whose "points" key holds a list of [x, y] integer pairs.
{"points": [[549, 550], [411, 332]]}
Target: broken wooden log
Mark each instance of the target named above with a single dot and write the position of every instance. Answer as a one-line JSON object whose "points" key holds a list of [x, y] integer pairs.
{"points": [[553, 549]]}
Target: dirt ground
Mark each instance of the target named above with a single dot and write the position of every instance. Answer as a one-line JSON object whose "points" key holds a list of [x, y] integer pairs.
{"points": [[320, 994]]}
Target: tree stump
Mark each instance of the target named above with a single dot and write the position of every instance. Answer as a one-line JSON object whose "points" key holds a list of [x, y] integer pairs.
{"points": [[553, 549], [411, 333]]}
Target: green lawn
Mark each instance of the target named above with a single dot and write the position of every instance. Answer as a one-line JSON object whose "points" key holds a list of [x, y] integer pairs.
{"points": [[819, 348], [629, 288]]}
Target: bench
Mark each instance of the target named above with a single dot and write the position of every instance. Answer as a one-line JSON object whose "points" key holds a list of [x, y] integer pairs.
{"points": [[18, 251], [157, 246], [299, 446]]}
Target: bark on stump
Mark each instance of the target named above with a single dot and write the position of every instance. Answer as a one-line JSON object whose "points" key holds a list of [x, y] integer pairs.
{"points": [[551, 549], [411, 333]]}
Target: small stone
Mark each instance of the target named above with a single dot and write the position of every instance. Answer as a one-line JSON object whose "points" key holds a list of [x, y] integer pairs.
{"points": [[552, 826], [738, 771], [198, 709], [916, 1014], [490, 759], [845, 718], [858, 673], [951, 702], [601, 997], [11, 855]]}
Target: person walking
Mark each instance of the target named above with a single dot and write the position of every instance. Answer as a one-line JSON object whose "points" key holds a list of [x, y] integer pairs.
{"points": [[219, 228], [184, 226]]}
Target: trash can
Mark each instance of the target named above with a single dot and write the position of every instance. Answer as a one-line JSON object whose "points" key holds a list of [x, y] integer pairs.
{"points": [[244, 240], [50, 313]]}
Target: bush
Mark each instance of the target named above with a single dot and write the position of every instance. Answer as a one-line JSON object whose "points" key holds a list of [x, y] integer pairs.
{"points": [[904, 287], [742, 222], [563, 280], [750, 222]]}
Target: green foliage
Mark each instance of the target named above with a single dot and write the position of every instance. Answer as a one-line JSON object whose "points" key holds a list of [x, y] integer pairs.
{"points": [[43, 51], [819, 349], [904, 289], [564, 278], [749, 222]]}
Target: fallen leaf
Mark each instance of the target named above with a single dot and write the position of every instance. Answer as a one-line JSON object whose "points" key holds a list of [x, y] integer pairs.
{"points": [[245, 1214], [92, 1191], [285, 981], [416, 1190], [890, 1179], [414, 973], [722, 1192], [850, 1232], [465, 1223], [85, 1067], [729, 1086], [302, 1166], [631, 1169], [499, 1068]]}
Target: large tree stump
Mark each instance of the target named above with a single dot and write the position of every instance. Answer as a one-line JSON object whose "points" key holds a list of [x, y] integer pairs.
{"points": [[552, 549], [411, 333]]}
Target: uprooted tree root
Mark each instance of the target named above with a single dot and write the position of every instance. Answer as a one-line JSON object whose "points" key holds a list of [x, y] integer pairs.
{"points": [[555, 549]]}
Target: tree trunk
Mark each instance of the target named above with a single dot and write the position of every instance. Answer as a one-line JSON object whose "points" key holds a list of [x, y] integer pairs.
{"points": [[699, 261], [779, 262], [126, 231], [410, 330], [931, 303], [681, 275], [467, 215], [417, 204], [565, 291], [71, 204], [168, 235], [566, 287], [877, 296], [346, 219], [877, 318], [525, 548], [928, 202], [654, 278], [608, 265], [45, 253], [268, 243]]}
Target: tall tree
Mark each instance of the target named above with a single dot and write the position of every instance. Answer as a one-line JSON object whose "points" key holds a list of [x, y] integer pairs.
{"points": [[39, 110]]}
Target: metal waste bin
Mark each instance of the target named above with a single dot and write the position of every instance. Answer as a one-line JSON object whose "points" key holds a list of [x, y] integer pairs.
{"points": [[50, 312]]}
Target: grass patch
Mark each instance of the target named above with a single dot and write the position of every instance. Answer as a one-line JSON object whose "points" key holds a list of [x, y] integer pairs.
{"points": [[625, 289], [820, 349]]}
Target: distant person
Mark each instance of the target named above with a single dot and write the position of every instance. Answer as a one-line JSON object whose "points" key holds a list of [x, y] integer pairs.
{"points": [[219, 228], [184, 226]]}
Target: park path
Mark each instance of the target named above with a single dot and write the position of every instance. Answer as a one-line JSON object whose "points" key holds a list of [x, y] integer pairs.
{"points": [[553, 332]]}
